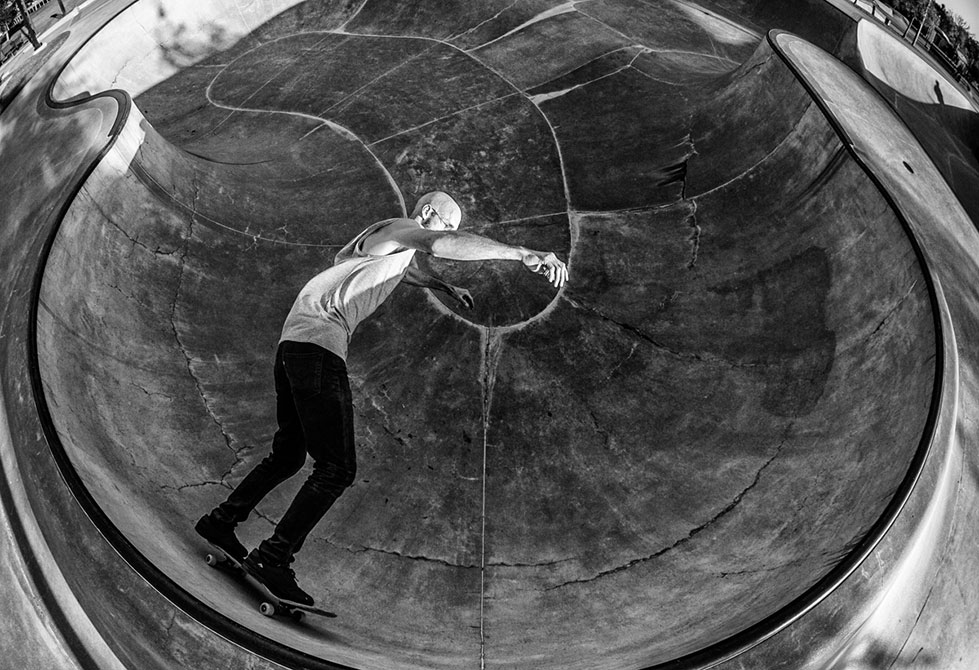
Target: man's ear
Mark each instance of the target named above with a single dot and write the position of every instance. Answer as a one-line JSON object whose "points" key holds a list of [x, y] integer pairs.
{"points": [[426, 212]]}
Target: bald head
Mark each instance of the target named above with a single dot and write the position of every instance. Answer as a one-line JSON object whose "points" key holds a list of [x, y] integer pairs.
{"points": [[444, 206]]}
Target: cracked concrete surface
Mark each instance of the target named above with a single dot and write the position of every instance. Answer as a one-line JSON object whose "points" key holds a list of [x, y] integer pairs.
{"points": [[183, 349], [695, 232], [639, 435], [683, 540]]}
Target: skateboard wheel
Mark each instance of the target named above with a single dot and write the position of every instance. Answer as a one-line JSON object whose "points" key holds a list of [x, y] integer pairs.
{"points": [[268, 609], [211, 560], [297, 615]]}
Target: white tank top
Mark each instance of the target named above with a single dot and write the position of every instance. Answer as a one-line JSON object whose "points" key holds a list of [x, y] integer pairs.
{"points": [[333, 303]]}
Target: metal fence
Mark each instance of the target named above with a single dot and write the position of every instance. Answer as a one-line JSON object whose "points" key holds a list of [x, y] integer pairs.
{"points": [[11, 41], [926, 37]]}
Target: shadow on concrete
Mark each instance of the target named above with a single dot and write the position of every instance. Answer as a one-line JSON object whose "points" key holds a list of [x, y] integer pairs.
{"points": [[880, 655], [15, 80], [721, 335], [949, 134], [698, 417]]}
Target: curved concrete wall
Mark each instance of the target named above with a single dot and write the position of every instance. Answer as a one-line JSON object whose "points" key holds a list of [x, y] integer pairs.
{"points": [[62, 567], [148, 42], [941, 115], [160, 241], [166, 288]]}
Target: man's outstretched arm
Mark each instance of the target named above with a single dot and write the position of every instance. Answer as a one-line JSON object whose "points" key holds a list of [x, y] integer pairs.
{"points": [[460, 246]]}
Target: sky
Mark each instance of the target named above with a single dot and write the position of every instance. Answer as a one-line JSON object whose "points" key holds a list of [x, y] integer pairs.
{"points": [[967, 9]]}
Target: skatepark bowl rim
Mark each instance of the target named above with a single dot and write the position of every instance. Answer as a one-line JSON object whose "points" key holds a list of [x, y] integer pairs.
{"points": [[285, 655]]}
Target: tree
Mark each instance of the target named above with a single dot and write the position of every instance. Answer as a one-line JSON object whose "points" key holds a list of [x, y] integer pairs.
{"points": [[928, 14], [957, 30], [14, 16]]}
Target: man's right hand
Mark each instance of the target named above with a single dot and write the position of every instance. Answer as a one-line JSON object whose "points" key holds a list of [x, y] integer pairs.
{"points": [[548, 265]]}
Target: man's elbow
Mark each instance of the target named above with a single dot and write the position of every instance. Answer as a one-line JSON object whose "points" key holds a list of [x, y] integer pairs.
{"points": [[432, 242], [426, 245]]}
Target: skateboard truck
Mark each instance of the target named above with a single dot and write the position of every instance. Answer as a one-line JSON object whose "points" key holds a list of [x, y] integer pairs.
{"points": [[272, 605]]}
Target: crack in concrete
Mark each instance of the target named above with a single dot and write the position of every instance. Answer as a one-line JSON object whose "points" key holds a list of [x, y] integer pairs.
{"points": [[238, 460], [168, 629], [917, 619], [227, 228], [353, 16], [606, 434], [544, 97], [618, 366], [150, 393], [894, 309], [538, 564], [631, 329], [751, 168], [136, 243], [129, 296], [692, 534], [492, 345], [196, 485], [638, 332], [115, 79], [396, 434], [441, 561], [482, 23], [575, 67], [691, 219], [492, 349], [695, 233], [756, 66], [414, 557], [265, 517], [179, 340]]}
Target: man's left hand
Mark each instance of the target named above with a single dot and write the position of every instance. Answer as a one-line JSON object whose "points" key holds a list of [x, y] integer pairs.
{"points": [[463, 296]]}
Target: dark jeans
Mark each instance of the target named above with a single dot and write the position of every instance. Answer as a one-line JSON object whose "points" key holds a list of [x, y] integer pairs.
{"points": [[314, 411]]}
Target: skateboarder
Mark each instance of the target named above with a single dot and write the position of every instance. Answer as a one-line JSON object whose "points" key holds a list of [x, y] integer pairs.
{"points": [[314, 410]]}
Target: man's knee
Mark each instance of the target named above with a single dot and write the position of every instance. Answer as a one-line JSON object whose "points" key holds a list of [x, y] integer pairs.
{"points": [[286, 465], [346, 475], [337, 476], [349, 475]]}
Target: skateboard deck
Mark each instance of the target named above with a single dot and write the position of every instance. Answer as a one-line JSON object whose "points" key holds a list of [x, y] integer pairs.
{"points": [[271, 605]]}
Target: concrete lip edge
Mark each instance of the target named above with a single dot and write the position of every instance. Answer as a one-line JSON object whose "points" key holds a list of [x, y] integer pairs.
{"points": [[168, 587]]}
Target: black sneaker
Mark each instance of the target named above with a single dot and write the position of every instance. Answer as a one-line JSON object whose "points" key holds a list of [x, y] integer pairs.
{"points": [[221, 535], [280, 580]]}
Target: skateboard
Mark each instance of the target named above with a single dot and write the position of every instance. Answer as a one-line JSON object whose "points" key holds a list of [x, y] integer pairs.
{"points": [[271, 605]]}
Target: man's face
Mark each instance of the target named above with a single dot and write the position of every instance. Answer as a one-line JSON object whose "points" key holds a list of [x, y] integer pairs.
{"points": [[436, 221]]}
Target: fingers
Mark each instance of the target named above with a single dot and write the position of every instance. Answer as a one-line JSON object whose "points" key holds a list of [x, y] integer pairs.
{"points": [[555, 270], [558, 275], [550, 266], [465, 297], [561, 275]]}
